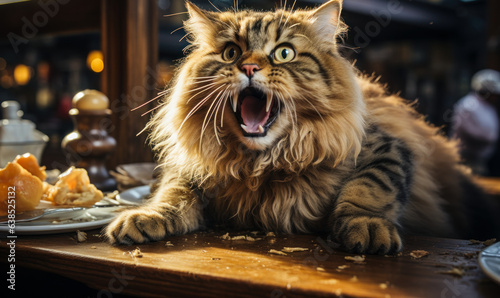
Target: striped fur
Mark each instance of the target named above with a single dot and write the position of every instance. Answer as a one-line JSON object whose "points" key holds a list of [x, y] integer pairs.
{"points": [[343, 156]]}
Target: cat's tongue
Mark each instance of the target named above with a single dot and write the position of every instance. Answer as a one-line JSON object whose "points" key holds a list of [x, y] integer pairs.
{"points": [[253, 113]]}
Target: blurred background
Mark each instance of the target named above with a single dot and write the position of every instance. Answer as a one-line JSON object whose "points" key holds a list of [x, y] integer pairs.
{"points": [[426, 50]]}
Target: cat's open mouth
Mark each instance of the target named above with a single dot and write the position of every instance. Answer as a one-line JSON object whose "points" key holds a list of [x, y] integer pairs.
{"points": [[255, 111]]}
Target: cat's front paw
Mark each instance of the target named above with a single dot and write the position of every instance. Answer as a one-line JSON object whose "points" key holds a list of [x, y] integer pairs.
{"points": [[138, 226], [363, 234]]}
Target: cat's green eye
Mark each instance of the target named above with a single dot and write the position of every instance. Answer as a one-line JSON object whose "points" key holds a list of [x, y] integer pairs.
{"points": [[231, 52], [284, 54]]}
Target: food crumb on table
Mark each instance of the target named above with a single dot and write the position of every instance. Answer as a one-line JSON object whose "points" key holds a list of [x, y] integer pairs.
{"points": [[241, 237], [454, 271], [136, 253], [81, 236], [356, 259], [277, 252], [294, 249], [485, 243], [419, 253]]}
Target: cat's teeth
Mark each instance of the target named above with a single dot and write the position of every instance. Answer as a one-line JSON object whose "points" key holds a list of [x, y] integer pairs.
{"points": [[235, 102], [269, 102], [244, 127], [261, 129]]}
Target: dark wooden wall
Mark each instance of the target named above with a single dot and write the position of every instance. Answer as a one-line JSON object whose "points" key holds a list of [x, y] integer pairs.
{"points": [[129, 37]]}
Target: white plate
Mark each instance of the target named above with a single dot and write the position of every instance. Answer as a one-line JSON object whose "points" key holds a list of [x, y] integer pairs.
{"points": [[88, 219], [489, 260], [134, 196]]}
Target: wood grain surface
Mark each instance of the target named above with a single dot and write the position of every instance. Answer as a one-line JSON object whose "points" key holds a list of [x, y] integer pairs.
{"points": [[206, 265]]}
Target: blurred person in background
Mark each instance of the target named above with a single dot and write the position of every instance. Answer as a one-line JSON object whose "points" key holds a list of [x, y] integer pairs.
{"points": [[476, 121]]}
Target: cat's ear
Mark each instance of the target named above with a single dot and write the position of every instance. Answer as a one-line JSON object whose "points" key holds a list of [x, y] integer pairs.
{"points": [[201, 23], [326, 19]]}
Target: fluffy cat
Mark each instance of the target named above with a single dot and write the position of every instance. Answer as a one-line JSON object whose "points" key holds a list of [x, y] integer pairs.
{"points": [[267, 126]]}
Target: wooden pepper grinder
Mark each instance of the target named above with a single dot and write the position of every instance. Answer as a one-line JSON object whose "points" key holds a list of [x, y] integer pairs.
{"points": [[89, 145]]}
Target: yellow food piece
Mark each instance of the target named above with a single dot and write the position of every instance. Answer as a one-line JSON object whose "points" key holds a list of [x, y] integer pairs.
{"points": [[19, 184], [29, 162], [73, 188]]}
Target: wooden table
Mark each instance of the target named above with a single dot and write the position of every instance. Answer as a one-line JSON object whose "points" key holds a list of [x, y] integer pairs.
{"points": [[206, 265]]}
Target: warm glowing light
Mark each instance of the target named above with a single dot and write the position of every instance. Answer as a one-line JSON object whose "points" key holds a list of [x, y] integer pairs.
{"points": [[97, 65], [6, 81], [22, 74], [95, 61]]}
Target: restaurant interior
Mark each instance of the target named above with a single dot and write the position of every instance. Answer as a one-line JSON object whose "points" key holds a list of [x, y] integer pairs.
{"points": [[427, 51]]}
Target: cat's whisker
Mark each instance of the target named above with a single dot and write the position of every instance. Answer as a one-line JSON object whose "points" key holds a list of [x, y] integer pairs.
{"points": [[226, 95], [142, 130], [198, 80], [205, 99], [144, 114], [203, 83], [217, 107], [175, 14], [282, 12], [206, 77], [221, 100], [176, 30], [197, 107], [212, 110], [214, 6], [203, 89], [291, 10], [207, 118], [164, 91], [143, 104], [185, 35]]}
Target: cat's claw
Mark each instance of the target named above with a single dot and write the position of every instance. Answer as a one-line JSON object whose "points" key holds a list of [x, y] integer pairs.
{"points": [[364, 234], [137, 226]]}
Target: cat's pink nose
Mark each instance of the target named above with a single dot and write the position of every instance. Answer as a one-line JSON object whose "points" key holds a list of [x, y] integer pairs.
{"points": [[250, 69]]}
